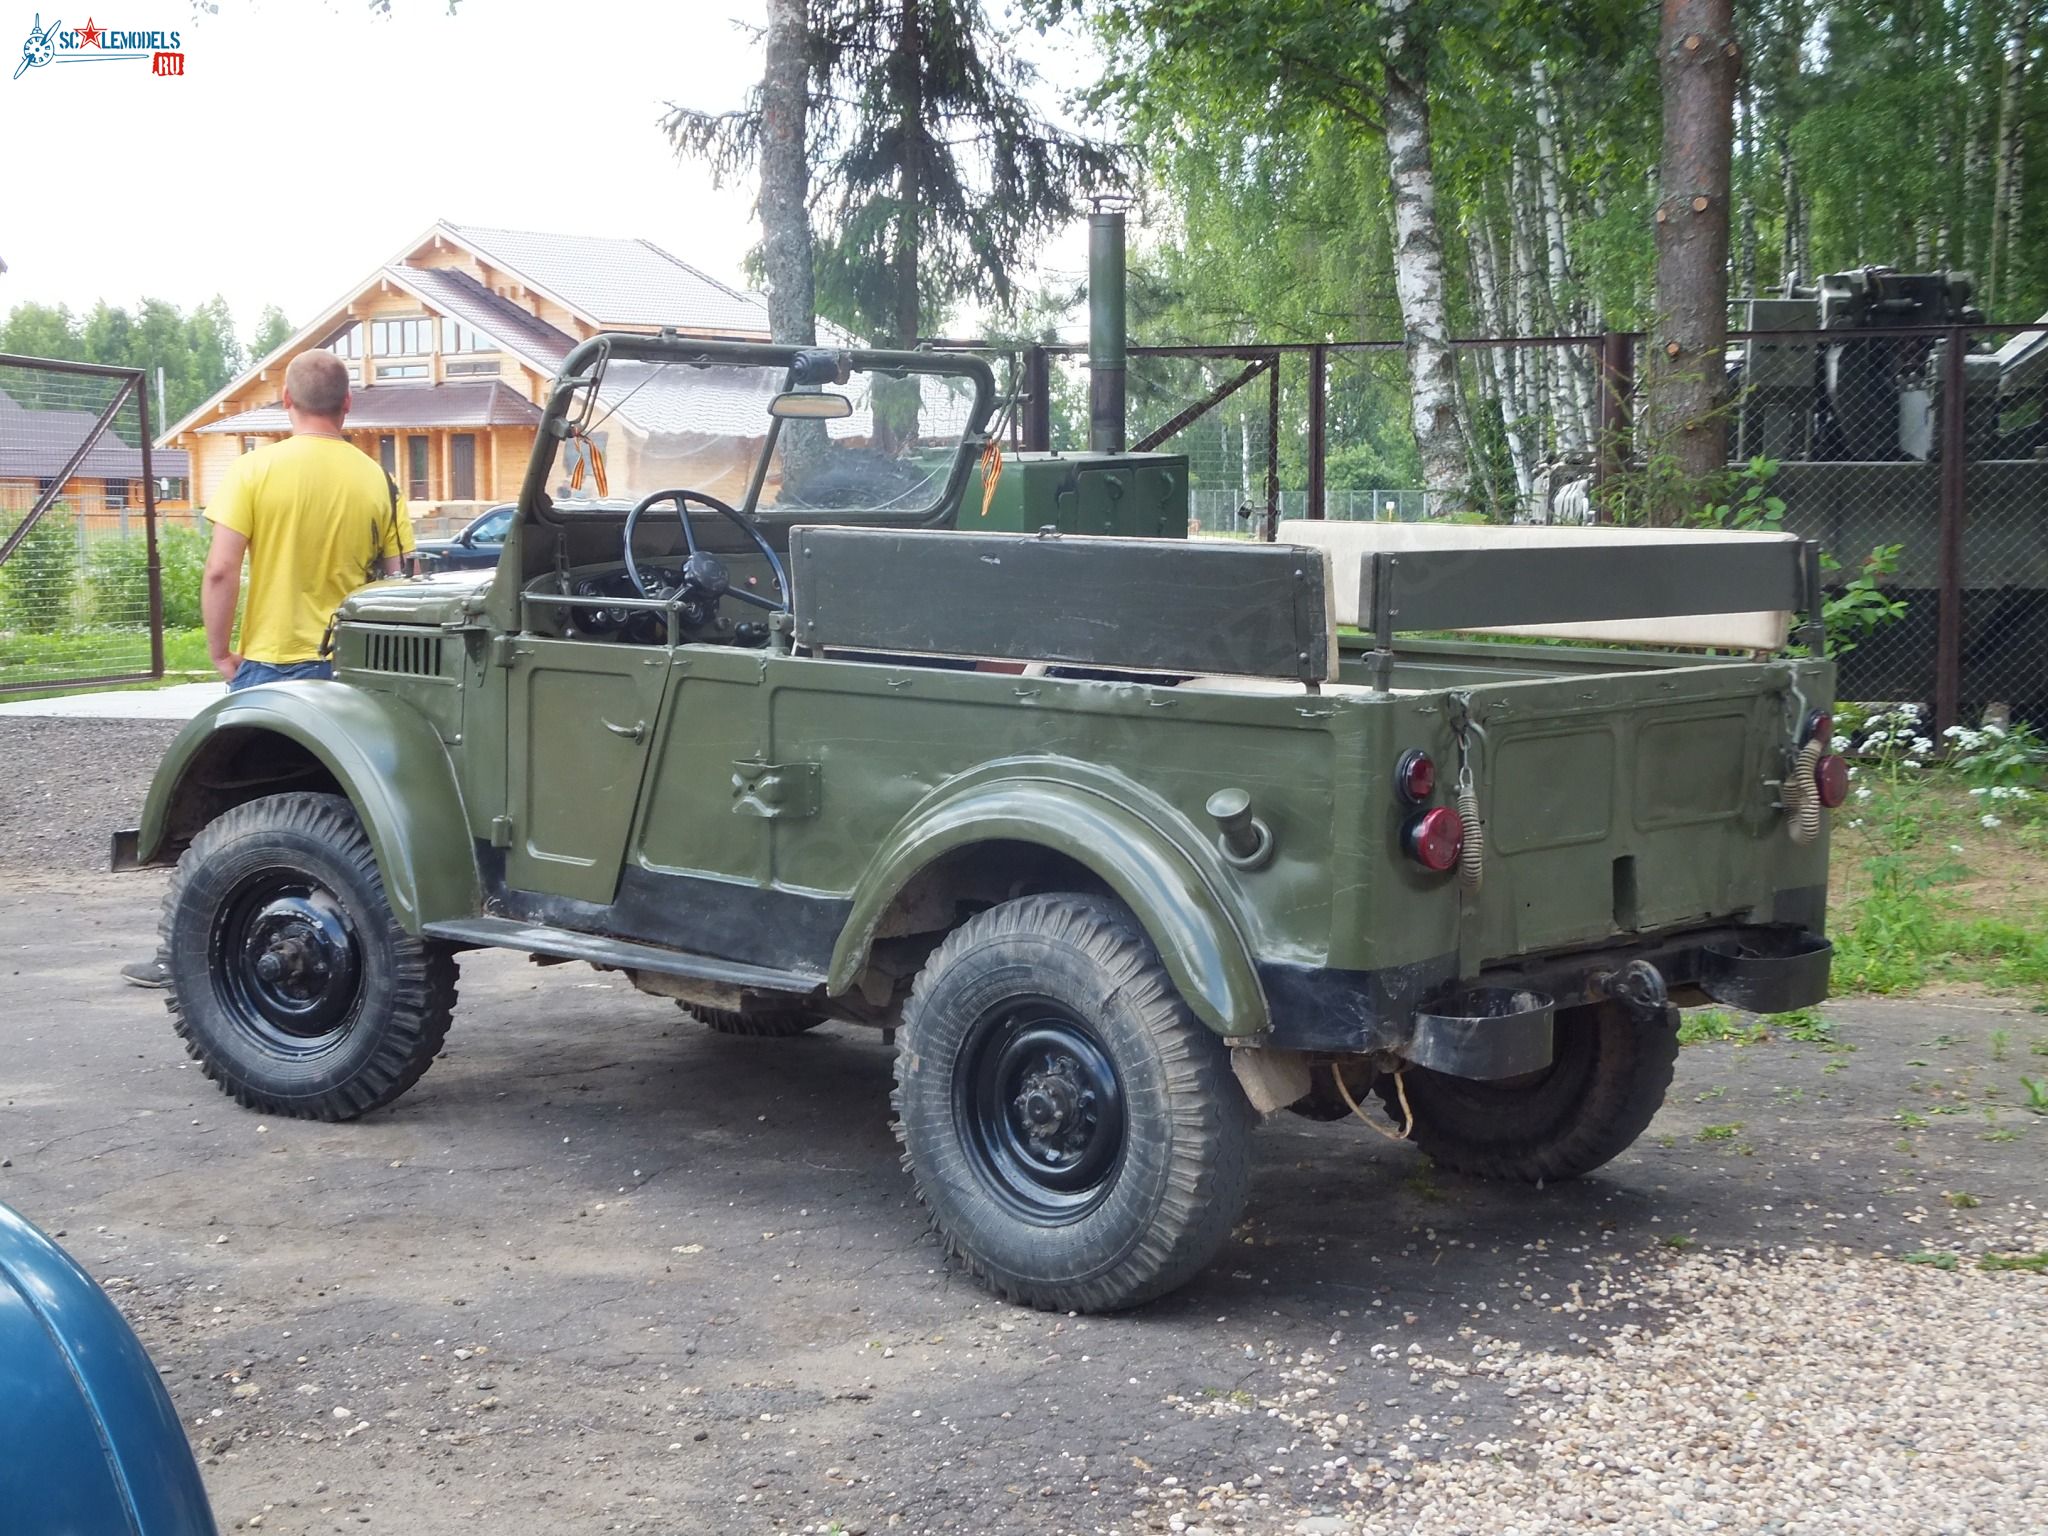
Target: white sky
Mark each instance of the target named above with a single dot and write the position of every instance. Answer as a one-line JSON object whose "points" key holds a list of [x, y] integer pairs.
{"points": [[310, 140]]}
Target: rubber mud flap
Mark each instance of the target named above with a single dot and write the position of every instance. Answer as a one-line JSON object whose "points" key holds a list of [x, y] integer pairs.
{"points": [[1484, 1033], [1767, 972]]}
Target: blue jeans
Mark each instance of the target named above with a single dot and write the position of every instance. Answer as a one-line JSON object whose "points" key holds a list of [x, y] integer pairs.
{"points": [[250, 673]]}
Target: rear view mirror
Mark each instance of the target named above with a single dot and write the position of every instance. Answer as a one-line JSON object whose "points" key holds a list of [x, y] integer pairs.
{"points": [[794, 405]]}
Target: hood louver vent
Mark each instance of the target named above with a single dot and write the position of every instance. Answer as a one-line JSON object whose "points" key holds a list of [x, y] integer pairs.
{"points": [[411, 655]]}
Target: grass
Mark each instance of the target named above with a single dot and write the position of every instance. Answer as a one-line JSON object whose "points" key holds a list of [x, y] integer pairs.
{"points": [[1719, 1132], [1924, 892], [26, 658]]}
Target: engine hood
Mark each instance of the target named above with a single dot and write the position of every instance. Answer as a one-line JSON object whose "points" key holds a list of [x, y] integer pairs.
{"points": [[448, 597]]}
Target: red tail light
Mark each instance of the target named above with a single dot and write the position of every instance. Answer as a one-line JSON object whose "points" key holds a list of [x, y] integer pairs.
{"points": [[1415, 776], [1820, 727], [1434, 839], [1831, 780]]}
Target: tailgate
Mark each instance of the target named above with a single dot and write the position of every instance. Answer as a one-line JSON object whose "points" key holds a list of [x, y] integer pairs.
{"points": [[1633, 801]]}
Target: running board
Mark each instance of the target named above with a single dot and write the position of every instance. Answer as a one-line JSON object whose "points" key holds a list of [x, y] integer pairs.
{"points": [[618, 954]]}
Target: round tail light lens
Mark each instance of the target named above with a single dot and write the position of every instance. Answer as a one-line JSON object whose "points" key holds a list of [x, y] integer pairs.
{"points": [[1415, 776], [1435, 839], [1831, 780], [1820, 726]]}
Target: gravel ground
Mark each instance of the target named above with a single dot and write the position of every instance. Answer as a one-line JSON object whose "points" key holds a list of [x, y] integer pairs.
{"points": [[604, 1271], [66, 785], [1810, 1394]]}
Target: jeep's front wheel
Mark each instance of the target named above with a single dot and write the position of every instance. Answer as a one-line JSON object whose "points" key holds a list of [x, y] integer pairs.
{"points": [[291, 981], [1075, 1132]]}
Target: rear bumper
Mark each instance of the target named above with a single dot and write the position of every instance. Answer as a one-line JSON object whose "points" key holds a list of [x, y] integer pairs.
{"points": [[1498, 1023]]}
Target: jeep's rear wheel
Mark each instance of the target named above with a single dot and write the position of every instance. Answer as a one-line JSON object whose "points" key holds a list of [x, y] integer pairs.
{"points": [[761, 1024], [291, 981], [1074, 1131], [1609, 1069]]}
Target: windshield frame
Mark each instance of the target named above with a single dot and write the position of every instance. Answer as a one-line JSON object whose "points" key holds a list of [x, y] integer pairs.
{"points": [[581, 368]]}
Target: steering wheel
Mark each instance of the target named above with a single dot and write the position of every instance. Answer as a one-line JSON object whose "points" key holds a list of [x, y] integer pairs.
{"points": [[704, 576]]}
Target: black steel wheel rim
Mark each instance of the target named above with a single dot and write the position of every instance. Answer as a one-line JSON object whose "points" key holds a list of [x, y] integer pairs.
{"points": [[286, 961], [1041, 1110]]}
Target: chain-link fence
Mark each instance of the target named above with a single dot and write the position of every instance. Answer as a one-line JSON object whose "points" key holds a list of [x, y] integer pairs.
{"points": [[80, 591]]}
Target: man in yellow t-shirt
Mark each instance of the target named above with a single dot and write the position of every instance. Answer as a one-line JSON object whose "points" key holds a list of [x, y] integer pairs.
{"points": [[316, 516]]}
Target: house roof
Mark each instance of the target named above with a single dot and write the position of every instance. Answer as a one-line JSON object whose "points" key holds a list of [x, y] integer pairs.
{"points": [[462, 296], [618, 281], [478, 403], [34, 445]]}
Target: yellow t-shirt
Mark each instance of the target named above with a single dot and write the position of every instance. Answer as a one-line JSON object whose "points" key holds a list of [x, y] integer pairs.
{"points": [[317, 514]]}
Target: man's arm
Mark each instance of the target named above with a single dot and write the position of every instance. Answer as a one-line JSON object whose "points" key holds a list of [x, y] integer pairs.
{"points": [[219, 589]]}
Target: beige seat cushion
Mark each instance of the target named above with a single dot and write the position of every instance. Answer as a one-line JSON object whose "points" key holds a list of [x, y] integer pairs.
{"points": [[1349, 543]]}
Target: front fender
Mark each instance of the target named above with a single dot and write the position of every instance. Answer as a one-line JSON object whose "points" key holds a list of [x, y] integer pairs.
{"points": [[1173, 899], [384, 754]]}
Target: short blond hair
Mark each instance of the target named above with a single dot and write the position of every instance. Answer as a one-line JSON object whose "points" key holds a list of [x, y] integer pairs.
{"points": [[318, 383]]}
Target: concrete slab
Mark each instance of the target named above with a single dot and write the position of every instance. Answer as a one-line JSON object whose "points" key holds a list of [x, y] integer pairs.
{"points": [[180, 701]]}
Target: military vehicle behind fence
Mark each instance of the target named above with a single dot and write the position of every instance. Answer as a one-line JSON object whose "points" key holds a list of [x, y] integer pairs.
{"points": [[1127, 840]]}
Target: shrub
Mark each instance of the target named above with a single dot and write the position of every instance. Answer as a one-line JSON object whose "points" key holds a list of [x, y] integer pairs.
{"points": [[117, 577], [39, 582]]}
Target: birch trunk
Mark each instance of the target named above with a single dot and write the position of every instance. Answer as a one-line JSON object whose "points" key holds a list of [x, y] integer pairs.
{"points": [[1419, 271], [1573, 436], [785, 178], [1501, 361], [1533, 362], [1699, 59], [2005, 202]]}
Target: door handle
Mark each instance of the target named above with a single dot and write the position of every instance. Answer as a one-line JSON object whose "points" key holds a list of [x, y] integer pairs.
{"points": [[634, 732]]}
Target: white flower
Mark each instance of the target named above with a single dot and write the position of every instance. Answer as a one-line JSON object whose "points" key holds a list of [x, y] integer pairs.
{"points": [[1839, 744], [1857, 822], [1863, 793], [1955, 847], [1921, 746], [1980, 791], [1990, 823], [1953, 732]]}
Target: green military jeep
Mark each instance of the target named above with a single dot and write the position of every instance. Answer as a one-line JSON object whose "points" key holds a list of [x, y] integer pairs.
{"points": [[1127, 840]]}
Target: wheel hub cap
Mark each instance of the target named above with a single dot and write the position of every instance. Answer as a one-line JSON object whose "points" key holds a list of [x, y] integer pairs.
{"points": [[290, 960], [1044, 1111]]}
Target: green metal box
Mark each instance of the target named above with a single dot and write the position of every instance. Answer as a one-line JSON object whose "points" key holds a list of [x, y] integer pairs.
{"points": [[1125, 495]]}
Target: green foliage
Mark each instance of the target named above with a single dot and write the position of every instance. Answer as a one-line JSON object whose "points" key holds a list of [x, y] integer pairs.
{"points": [[117, 577], [1704, 1024], [1719, 1132], [39, 582], [197, 350]]}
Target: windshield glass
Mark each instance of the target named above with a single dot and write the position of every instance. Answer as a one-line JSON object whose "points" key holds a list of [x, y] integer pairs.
{"points": [[701, 426]]}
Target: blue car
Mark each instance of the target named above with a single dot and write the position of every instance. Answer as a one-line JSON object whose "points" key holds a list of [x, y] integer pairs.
{"points": [[89, 1441], [477, 546]]}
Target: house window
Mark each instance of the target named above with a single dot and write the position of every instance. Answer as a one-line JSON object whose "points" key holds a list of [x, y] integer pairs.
{"points": [[387, 454], [117, 495], [386, 371], [248, 445], [347, 342], [471, 368], [402, 338], [416, 469], [459, 337]]}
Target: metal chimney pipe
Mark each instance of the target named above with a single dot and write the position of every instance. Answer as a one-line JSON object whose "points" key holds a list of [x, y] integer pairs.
{"points": [[1106, 330]]}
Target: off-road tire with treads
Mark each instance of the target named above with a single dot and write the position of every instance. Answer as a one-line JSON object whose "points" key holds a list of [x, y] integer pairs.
{"points": [[762, 1024], [1182, 1160], [1609, 1070], [390, 1029]]}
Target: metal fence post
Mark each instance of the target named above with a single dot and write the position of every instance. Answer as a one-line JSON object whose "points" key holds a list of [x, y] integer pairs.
{"points": [[1037, 412], [156, 571], [1617, 383], [1318, 405], [1273, 454], [1948, 643]]}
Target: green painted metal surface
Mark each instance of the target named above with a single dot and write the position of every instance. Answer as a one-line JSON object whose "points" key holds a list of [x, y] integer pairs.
{"points": [[1125, 495]]}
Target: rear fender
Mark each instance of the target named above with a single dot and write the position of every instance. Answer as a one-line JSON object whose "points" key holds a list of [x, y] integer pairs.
{"points": [[1109, 828], [379, 751]]}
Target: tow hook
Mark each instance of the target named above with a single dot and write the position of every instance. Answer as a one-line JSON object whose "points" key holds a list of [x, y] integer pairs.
{"points": [[1639, 984]]}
